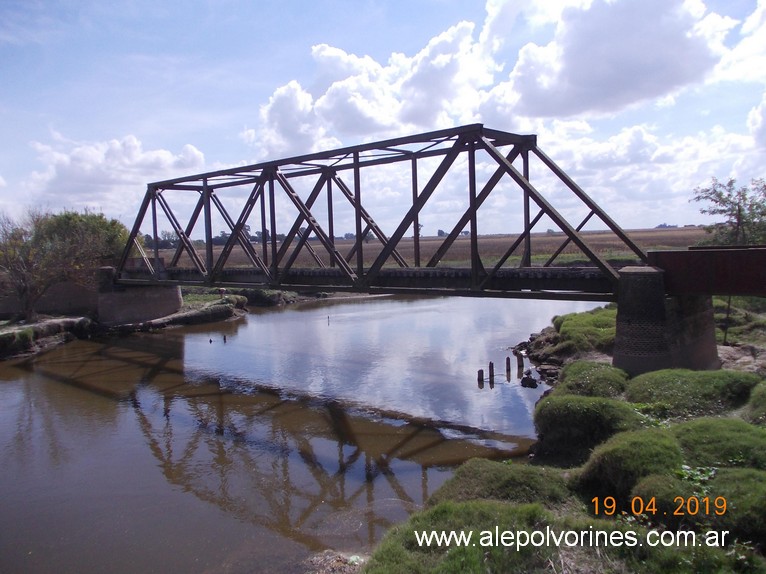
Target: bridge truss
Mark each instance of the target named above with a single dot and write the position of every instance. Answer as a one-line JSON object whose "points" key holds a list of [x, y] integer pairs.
{"points": [[296, 205]]}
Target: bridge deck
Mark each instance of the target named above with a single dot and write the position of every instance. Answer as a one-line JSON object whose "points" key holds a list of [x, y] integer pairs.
{"points": [[581, 283]]}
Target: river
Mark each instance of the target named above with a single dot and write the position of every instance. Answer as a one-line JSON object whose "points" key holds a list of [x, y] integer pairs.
{"points": [[248, 445]]}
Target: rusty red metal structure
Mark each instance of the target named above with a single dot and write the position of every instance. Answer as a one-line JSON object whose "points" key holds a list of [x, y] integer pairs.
{"points": [[279, 260], [720, 270]]}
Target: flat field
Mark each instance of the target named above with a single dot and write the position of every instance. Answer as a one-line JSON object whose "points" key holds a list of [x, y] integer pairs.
{"points": [[491, 248]]}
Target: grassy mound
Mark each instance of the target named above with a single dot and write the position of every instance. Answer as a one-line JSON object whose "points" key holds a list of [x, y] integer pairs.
{"points": [[615, 467], [400, 552], [756, 406], [745, 492], [590, 331], [663, 490], [520, 483], [591, 379], [681, 393], [571, 422], [722, 442]]}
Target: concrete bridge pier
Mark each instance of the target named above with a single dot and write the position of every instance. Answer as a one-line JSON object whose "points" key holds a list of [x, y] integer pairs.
{"points": [[134, 304], [655, 331]]}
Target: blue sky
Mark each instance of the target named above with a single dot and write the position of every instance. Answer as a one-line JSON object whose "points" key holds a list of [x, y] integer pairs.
{"points": [[640, 101]]}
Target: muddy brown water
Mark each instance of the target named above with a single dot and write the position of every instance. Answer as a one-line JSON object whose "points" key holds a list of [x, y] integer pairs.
{"points": [[311, 427]]}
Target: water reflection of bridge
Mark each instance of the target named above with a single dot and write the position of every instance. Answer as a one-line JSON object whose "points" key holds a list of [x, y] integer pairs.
{"points": [[312, 471]]}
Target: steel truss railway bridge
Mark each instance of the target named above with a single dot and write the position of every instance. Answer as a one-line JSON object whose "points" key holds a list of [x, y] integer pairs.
{"points": [[296, 205], [375, 261]]}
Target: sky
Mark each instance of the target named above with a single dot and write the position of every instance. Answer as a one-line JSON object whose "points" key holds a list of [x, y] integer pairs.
{"points": [[639, 101]]}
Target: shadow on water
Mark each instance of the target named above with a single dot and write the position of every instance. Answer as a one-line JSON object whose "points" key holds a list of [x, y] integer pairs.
{"points": [[317, 472]]}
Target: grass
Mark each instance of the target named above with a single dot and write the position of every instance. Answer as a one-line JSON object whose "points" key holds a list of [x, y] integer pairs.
{"points": [[716, 442], [510, 482], [591, 379], [745, 491], [16, 340], [681, 393], [745, 320], [576, 424], [199, 299], [703, 455], [663, 490], [756, 406], [590, 331], [399, 551], [616, 466], [711, 445]]}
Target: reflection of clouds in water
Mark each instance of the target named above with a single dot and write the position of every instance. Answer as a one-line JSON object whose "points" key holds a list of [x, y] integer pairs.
{"points": [[415, 356]]}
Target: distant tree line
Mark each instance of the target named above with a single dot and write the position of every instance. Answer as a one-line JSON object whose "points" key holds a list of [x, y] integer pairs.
{"points": [[169, 239]]}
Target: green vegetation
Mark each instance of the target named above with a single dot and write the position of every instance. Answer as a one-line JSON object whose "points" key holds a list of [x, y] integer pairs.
{"points": [[399, 551], [199, 299], [756, 406], [745, 491], [591, 379], [743, 320], [616, 466], [16, 341], [712, 457], [680, 393], [590, 331], [573, 423], [719, 442], [485, 479], [743, 210], [664, 489], [44, 249]]}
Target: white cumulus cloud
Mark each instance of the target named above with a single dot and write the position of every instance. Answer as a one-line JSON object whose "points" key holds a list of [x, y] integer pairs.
{"points": [[101, 175]]}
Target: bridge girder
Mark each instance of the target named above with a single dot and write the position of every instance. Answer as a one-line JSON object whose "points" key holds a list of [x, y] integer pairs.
{"points": [[270, 193]]}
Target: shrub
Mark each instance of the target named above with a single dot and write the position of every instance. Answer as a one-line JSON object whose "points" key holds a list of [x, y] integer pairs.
{"points": [[722, 442], [756, 406], [682, 393], [572, 422], [593, 330], [615, 467], [592, 379], [521, 483], [745, 492]]}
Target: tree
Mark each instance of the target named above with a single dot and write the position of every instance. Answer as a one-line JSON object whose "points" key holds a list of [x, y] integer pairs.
{"points": [[44, 249], [743, 210]]}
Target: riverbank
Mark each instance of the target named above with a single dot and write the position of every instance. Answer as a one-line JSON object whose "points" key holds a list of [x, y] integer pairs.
{"points": [[615, 455], [200, 305]]}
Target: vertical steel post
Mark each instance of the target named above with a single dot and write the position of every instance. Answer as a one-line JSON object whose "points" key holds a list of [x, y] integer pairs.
{"points": [[264, 231], [206, 192], [273, 223], [526, 259], [154, 231], [358, 216], [416, 221], [330, 222], [475, 261]]}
